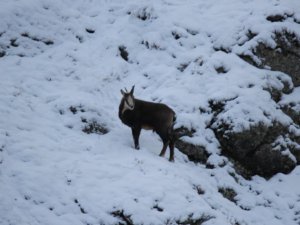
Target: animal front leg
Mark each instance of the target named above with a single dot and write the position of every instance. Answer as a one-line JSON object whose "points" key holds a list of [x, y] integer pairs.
{"points": [[163, 151], [136, 134]]}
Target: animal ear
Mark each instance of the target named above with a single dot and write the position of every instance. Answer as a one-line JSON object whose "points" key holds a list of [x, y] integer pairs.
{"points": [[132, 90], [122, 92]]}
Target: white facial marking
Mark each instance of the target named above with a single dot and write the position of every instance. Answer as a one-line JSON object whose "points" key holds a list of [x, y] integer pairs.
{"points": [[128, 104]]}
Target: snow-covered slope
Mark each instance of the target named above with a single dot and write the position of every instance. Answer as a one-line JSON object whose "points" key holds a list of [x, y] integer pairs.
{"points": [[62, 67]]}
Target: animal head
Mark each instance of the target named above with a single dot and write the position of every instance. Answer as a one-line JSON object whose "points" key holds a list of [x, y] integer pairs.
{"points": [[128, 98]]}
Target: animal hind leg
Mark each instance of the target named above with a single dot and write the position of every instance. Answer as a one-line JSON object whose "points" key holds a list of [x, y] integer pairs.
{"points": [[172, 138], [164, 137], [171, 146], [136, 134]]}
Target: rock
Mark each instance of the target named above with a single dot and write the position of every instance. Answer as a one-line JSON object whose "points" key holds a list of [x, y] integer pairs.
{"points": [[293, 111], [2, 53], [291, 106], [285, 57], [254, 148], [267, 162], [123, 53], [195, 153], [280, 84], [294, 145]]}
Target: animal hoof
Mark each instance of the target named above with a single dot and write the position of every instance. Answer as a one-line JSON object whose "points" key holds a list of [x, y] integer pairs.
{"points": [[137, 147], [171, 160]]}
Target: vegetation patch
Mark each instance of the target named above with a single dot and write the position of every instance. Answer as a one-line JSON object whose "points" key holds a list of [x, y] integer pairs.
{"points": [[94, 127], [124, 219], [228, 193]]}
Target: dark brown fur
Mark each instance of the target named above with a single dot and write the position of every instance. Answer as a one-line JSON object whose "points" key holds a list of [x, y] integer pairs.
{"points": [[149, 115]]}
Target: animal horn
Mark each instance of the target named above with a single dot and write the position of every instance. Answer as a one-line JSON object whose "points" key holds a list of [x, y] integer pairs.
{"points": [[132, 89]]}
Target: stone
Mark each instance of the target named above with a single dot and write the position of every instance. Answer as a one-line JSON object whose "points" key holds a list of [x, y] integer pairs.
{"points": [[285, 57], [253, 149]]}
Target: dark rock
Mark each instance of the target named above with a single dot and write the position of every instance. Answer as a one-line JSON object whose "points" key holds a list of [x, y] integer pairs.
{"points": [[296, 152], [291, 111], [285, 57], [195, 153], [176, 35], [2, 53], [91, 31], [75, 109], [250, 34], [123, 52], [254, 150], [13, 43], [276, 18], [279, 17], [183, 131], [294, 146], [243, 143], [221, 69], [158, 208], [48, 42], [199, 190], [267, 162], [287, 87], [217, 106], [239, 168]]}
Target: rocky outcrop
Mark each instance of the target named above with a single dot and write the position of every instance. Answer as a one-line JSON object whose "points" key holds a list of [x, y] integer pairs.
{"points": [[284, 57], [195, 153], [255, 149], [262, 149]]}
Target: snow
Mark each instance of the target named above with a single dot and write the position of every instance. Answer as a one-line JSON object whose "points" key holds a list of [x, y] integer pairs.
{"points": [[53, 173]]}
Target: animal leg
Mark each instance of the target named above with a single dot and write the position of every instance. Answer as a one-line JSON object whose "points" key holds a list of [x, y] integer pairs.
{"points": [[164, 137], [163, 151], [171, 146], [136, 134], [172, 138]]}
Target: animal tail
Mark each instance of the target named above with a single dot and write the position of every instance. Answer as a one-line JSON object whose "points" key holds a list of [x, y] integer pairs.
{"points": [[171, 131], [174, 118]]}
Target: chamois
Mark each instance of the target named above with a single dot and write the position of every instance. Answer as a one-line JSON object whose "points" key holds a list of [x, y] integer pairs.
{"points": [[139, 114]]}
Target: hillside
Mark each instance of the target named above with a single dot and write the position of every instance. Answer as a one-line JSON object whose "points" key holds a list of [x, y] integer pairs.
{"points": [[66, 158]]}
